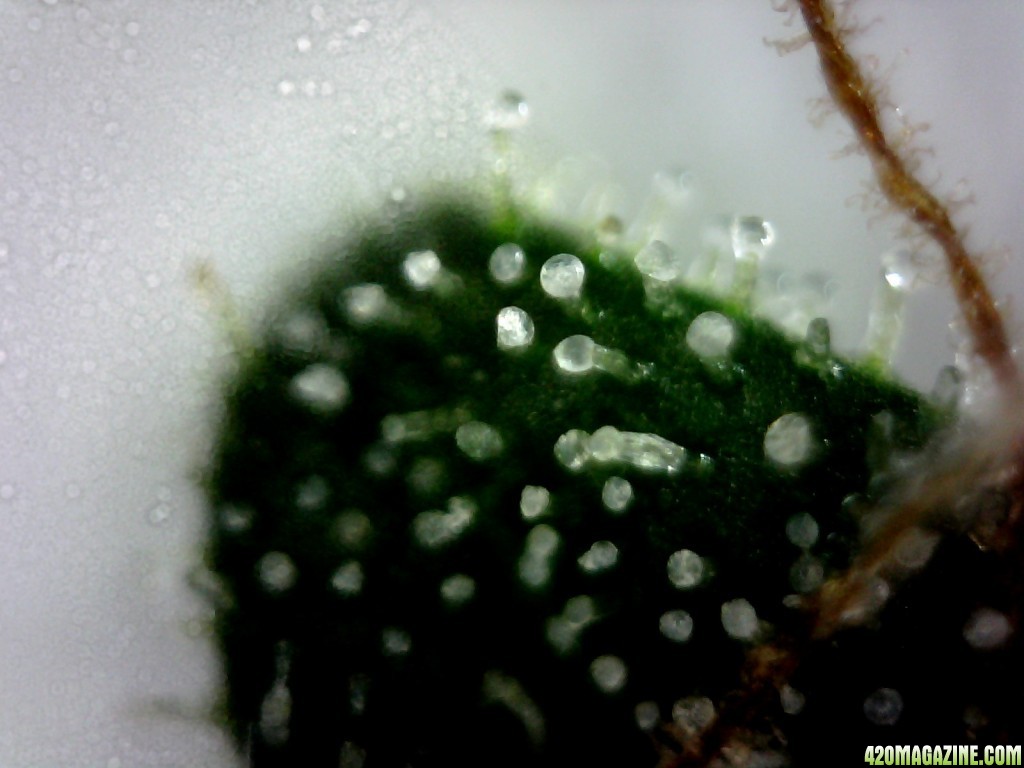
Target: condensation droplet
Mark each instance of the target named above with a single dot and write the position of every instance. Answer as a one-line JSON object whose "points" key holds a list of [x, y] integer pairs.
{"points": [[534, 502], [479, 441], [561, 277], [601, 556], [739, 619], [422, 269], [711, 336], [276, 571], [514, 328], [575, 354], [987, 629], [657, 261], [685, 569], [617, 494], [609, 673], [347, 580], [883, 707], [802, 530], [507, 264], [458, 589], [676, 625], [789, 441], [321, 388]]}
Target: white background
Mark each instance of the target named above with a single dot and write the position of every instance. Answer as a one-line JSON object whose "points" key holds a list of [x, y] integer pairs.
{"points": [[138, 138]]}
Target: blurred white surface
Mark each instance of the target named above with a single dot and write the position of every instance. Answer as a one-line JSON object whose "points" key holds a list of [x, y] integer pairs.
{"points": [[139, 138]]}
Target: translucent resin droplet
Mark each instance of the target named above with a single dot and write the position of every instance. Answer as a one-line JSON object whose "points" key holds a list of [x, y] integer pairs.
{"points": [[657, 261], [685, 569], [348, 579], [571, 449], [711, 336], [802, 530], [617, 494], [609, 673], [458, 589], [647, 715], [479, 441], [366, 303], [507, 264], [561, 277], [534, 502], [676, 625], [789, 441], [694, 714], [575, 354], [791, 699], [320, 388], [601, 556], [987, 629], [514, 328], [883, 707], [806, 574], [422, 269], [509, 112], [276, 572], [395, 642], [535, 564], [739, 619], [353, 529]]}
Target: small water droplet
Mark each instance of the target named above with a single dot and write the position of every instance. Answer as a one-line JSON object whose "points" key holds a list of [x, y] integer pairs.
{"points": [[507, 264], [685, 569], [883, 707], [479, 441], [509, 112], [676, 625], [789, 441], [347, 580], [422, 269], [534, 502], [609, 673], [739, 619], [303, 44], [575, 354], [617, 494], [562, 276], [514, 328], [711, 336], [657, 261], [321, 388]]}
